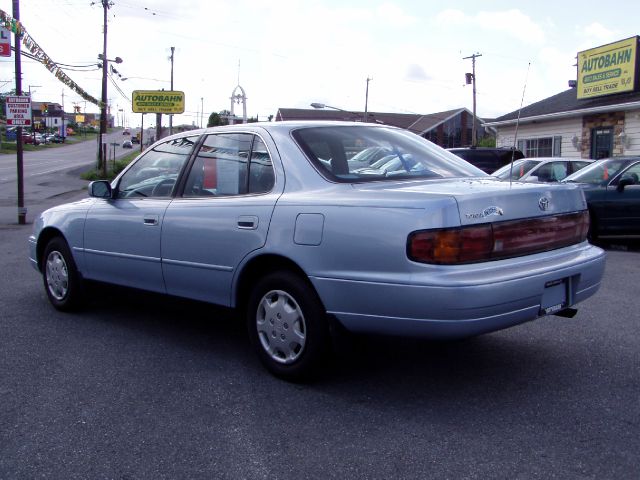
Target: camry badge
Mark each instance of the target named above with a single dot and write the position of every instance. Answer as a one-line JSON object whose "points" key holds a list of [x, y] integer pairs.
{"points": [[543, 203], [487, 212]]}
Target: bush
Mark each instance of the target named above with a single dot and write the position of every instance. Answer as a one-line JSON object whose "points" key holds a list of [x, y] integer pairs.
{"points": [[113, 170]]}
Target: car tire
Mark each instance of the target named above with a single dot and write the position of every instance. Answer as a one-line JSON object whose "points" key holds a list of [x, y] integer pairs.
{"points": [[62, 282], [287, 326]]}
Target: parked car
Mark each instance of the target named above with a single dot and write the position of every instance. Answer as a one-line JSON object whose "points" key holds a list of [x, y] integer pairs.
{"points": [[367, 157], [127, 144], [488, 159], [31, 139], [135, 140], [612, 190], [270, 219], [11, 134], [542, 169]]}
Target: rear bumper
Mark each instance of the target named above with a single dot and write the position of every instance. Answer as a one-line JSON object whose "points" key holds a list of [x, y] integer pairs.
{"points": [[470, 300]]}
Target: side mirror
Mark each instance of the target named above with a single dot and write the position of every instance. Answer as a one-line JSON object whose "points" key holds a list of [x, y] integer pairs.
{"points": [[624, 181], [532, 178], [100, 189]]}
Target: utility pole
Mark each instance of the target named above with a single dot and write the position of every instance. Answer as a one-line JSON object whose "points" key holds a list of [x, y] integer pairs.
{"points": [[22, 212], [173, 49], [366, 101], [472, 77], [201, 110], [102, 157]]}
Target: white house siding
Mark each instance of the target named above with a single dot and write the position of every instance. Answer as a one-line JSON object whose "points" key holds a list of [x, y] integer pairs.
{"points": [[632, 130], [566, 128]]}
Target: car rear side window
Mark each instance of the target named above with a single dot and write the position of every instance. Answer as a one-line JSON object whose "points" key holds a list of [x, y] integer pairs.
{"points": [[230, 164]]}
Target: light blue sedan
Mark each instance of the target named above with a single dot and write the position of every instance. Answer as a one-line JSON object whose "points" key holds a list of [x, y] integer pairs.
{"points": [[275, 221]]}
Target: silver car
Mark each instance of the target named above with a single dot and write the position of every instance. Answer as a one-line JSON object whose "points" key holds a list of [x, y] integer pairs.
{"points": [[273, 220], [541, 169]]}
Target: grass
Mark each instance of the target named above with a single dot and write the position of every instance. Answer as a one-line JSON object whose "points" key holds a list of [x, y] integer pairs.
{"points": [[113, 168], [10, 147]]}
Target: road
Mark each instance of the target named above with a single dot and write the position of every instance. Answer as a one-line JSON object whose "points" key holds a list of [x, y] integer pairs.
{"points": [[52, 173], [138, 386]]}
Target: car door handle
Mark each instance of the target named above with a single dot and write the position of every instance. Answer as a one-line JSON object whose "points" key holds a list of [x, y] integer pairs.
{"points": [[247, 222], [151, 220]]}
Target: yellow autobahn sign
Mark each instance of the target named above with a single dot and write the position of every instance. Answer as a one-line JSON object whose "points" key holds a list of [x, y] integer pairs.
{"points": [[158, 101], [608, 69]]}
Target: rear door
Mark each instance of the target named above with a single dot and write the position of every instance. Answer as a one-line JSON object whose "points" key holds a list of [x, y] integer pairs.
{"points": [[222, 215]]}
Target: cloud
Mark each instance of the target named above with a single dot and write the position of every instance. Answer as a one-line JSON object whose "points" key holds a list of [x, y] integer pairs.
{"points": [[394, 15], [415, 73], [598, 33], [452, 17], [512, 22]]}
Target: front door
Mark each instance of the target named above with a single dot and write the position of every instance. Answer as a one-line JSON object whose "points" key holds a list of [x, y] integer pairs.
{"points": [[621, 211], [122, 234], [601, 142], [122, 242]]}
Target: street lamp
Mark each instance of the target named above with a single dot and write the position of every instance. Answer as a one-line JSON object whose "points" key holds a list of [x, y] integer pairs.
{"points": [[356, 116], [323, 105], [145, 78], [115, 60]]}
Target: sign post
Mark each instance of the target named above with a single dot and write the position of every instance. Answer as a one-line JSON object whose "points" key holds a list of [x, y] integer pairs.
{"points": [[22, 210], [158, 101]]}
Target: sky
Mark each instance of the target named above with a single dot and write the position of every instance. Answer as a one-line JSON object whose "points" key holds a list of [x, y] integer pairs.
{"points": [[290, 53]]}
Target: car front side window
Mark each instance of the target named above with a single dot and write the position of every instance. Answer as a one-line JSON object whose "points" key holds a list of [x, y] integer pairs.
{"points": [[155, 173]]}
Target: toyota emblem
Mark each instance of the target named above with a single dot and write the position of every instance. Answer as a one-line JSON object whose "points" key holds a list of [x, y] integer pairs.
{"points": [[543, 203]]}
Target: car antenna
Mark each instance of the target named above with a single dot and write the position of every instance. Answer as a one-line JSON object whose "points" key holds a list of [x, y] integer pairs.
{"points": [[515, 137]]}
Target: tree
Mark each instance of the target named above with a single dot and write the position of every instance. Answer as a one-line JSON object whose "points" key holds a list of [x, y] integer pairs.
{"points": [[487, 141], [214, 120], [221, 118]]}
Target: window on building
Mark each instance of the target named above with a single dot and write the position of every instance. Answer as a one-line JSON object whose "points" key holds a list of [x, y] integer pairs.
{"points": [[541, 147]]}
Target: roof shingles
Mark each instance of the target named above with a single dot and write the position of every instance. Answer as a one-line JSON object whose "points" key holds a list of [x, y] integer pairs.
{"points": [[567, 101]]}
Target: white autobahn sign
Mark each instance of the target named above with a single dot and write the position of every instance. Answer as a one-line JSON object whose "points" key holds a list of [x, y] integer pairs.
{"points": [[18, 111]]}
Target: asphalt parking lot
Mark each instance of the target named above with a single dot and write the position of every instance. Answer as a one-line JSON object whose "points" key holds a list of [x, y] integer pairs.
{"points": [[138, 386]]}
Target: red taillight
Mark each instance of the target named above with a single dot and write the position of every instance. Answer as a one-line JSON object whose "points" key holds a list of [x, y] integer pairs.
{"points": [[492, 241], [455, 245]]}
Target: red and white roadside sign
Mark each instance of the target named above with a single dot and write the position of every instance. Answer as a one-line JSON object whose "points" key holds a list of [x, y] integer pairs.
{"points": [[5, 42], [18, 111]]}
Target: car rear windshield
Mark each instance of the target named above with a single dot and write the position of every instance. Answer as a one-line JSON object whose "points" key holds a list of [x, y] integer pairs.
{"points": [[369, 153]]}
